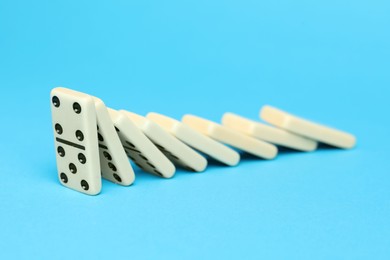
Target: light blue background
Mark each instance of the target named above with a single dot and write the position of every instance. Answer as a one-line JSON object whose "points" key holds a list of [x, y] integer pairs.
{"points": [[325, 60]]}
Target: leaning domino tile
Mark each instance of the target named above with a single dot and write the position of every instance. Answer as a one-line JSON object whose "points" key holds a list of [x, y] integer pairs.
{"points": [[196, 140], [114, 164], [268, 133], [175, 150], [236, 139], [307, 128], [139, 148], [75, 133]]}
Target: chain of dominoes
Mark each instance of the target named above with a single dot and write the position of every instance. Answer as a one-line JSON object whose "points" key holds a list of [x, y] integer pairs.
{"points": [[93, 141]]}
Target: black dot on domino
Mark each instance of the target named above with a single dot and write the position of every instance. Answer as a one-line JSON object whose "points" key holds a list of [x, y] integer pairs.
{"points": [[82, 158], [63, 177], [112, 167], [61, 151], [79, 135], [132, 145], [161, 147], [158, 173], [175, 157], [76, 108], [116, 176], [107, 155], [58, 129], [143, 157], [56, 101], [100, 137], [72, 168], [139, 165], [151, 165], [116, 129], [84, 185]]}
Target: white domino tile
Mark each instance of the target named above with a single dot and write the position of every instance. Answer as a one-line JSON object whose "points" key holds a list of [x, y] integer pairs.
{"points": [[307, 128], [196, 140], [268, 133], [139, 148], [226, 135], [75, 138], [173, 148], [115, 165]]}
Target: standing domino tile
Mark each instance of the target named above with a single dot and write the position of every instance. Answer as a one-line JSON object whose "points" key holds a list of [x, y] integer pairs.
{"points": [[114, 164], [196, 140], [139, 148], [75, 138], [175, 150], [268, 133], [306, 128], [230, 137]]}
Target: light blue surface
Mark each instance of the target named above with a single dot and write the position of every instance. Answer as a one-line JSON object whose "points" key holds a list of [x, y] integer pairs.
{"points": [[325, 60]]}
